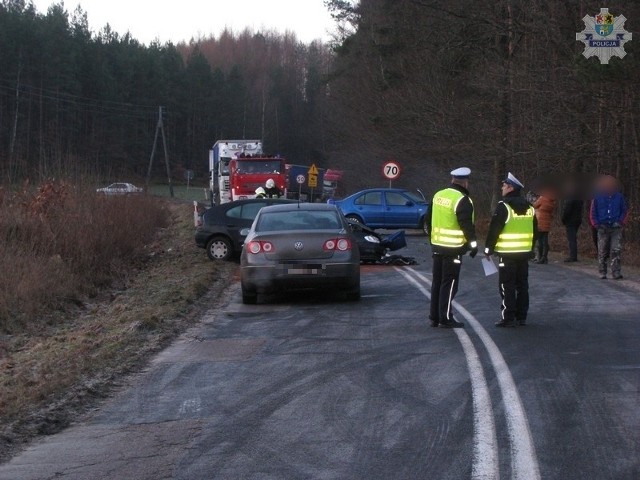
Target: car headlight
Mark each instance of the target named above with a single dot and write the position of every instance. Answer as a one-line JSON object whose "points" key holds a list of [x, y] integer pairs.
{"points": [[372, 239]]}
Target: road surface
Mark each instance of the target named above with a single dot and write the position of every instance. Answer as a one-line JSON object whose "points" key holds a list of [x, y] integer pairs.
{"points": [[312, 387]]}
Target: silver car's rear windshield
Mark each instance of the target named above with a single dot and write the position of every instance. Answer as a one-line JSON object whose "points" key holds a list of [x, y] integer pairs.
{"points": [[298, 220]]}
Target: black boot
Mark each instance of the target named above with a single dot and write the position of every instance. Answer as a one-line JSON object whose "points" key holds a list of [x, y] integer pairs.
{"points": [[453, 323]]}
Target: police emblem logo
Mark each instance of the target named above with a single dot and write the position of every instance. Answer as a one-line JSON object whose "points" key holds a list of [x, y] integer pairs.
{"points": [[604, 36]]}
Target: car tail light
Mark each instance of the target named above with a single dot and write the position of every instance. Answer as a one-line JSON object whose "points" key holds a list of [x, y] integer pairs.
{"points": [[343, 244], [340, 244], [259, 246], [329, 245]]}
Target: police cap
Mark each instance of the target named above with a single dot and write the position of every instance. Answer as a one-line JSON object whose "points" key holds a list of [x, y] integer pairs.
{"points": [[513, 181], [461, 173]]}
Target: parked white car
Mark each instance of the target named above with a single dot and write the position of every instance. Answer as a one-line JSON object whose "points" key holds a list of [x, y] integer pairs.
{"points": [[120, 189]]}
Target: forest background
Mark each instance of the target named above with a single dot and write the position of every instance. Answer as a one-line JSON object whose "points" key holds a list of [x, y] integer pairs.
{"points": [[494, 85]]}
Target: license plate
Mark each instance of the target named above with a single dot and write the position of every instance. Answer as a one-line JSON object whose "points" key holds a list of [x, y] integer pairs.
{"points": [[303, 271], [295, 269]]}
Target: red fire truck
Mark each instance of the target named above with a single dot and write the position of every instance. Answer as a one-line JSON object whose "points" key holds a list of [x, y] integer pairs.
{"points": [[247, 172]]}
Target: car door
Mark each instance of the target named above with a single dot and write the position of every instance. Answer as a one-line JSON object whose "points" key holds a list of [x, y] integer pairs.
{"points": [[240, 217], [369, 206], [400, 211]]}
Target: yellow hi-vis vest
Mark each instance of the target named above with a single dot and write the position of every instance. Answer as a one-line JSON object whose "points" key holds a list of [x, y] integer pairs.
{"points": [[517, 234], [445, 230]]}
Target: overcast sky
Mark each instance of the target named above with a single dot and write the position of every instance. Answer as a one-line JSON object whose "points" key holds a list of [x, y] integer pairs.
{"points": [[183, 19]]}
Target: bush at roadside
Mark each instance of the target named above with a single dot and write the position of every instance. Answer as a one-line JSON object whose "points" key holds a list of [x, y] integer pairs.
{"points": [[59, 243]]}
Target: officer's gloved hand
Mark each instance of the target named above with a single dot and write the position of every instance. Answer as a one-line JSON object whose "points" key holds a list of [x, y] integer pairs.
{"points": [[474, 249]]}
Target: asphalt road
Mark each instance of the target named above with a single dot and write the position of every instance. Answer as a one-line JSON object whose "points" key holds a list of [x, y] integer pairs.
{"points": [[312, 387]]}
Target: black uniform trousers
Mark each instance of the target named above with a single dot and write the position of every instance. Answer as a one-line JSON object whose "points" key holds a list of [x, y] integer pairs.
{"points": [[446, 273], [513, 275]]}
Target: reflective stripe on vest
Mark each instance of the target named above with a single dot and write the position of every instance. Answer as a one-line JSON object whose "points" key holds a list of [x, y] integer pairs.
{"points": [[517, 234], [445, 230]]}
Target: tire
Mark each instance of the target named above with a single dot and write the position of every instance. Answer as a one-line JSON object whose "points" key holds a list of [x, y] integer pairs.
{"points": [[354, 218], [423, 225], [219, 248], [353, 295], [353, 290], [249, 296]]}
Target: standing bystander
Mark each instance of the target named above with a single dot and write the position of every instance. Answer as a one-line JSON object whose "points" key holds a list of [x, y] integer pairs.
{"points": [[545, 206], [609, 214], [572, 207]]}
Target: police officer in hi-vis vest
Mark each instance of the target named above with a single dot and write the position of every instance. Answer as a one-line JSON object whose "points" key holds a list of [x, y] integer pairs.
{"points": [[450, 224], [511, 236]]}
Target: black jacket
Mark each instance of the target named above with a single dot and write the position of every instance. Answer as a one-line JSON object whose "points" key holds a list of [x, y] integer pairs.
{"points": [[273, 192], [464, 214], [572, 212], [499, 219]]}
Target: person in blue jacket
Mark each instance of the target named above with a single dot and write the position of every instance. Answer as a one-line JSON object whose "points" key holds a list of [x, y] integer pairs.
{"points": [[608, 215]]}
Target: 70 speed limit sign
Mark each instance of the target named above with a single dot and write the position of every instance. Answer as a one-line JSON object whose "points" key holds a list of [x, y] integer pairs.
{"points": [[391, 170]]}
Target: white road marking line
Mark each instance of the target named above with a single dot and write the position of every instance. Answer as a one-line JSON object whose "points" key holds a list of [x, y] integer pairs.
{"points": [[524, 461], [485, 445]]}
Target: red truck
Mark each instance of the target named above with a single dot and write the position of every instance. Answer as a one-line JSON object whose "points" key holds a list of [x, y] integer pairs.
{"points": [[246, 173]]}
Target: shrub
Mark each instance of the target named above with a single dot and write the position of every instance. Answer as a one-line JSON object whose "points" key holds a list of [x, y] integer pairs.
{"points": [[60, 242]]}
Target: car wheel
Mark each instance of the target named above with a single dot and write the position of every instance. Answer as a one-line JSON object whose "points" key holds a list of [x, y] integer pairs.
{"points": [[219, 248], [423, 225], [354, 218], [354, 294], [249, 296]]}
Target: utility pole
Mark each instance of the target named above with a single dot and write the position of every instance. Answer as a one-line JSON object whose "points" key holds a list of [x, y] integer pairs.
{"points": [[159, 129]]}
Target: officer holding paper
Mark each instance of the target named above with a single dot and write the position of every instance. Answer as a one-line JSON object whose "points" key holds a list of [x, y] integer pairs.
{"points": [[511, 237]]}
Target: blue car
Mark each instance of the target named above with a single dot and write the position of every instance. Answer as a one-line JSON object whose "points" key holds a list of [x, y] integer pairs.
{"points": [[385, 208]]}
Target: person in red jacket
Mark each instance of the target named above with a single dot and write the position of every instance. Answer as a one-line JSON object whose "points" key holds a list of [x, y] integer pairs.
{"points": [[545, 206]]}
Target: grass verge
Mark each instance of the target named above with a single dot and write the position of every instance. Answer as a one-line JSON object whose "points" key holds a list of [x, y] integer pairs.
{"points": [[49, 374]]}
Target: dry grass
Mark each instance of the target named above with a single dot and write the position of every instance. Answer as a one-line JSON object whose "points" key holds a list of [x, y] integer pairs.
{"points": [[52, 365], [60, 244]]}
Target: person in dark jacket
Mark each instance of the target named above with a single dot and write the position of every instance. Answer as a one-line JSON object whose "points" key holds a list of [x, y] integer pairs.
{"points": [[609, 214], [511, 235], [572, 207], [450, 225]]}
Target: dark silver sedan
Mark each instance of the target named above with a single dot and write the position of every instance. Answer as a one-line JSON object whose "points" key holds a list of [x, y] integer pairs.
{"points": [[299, 246]]}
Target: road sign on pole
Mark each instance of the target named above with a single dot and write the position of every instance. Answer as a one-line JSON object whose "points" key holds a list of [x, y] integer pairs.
{"points": [[391, 170], [313, 176], [300, 179]]}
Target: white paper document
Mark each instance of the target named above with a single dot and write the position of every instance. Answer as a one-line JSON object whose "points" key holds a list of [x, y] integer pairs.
{"points": [[488, 266]]}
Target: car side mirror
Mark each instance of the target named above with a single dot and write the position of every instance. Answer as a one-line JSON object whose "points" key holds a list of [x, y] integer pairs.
{"points": [[244, 232], [409, 204]]}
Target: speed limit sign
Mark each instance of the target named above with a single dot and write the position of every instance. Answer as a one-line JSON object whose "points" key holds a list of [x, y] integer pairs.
{"points": [[391, 170]]}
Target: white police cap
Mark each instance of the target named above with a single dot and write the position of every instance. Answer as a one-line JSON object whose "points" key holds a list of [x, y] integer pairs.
{"points": [[461, 173], [513, 181]]}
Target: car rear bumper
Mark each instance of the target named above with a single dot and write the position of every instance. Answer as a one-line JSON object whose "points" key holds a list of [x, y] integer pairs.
{"points": [[202, 238], [276, 277]]}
